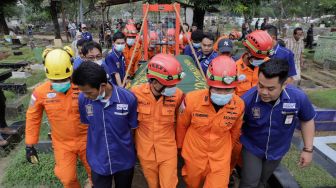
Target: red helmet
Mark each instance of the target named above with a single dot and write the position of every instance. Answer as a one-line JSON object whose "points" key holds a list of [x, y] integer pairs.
{"points": [[259, 44], [166, 69], [222, 73], [131, 30], [171, 32], [186, 36]]}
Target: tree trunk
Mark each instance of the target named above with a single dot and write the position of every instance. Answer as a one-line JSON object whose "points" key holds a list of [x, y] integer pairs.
{"points": [[198, 18], [53, 13], [3, 25]]}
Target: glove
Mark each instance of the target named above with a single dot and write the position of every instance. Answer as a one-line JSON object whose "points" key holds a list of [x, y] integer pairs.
{"points": [[31, 155]]}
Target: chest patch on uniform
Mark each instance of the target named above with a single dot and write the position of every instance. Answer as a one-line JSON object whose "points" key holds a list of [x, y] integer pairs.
{"points": [[89, 109], [122, 106], [256, 112], [200, 115], [51, 95], [289, 105]]}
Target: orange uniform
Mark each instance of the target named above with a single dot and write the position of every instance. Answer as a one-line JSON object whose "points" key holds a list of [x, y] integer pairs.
{"points": [[215, 47], [155, 137], [207, 138], [251, 77], [68, 134], [128, 51], [153, 51]]}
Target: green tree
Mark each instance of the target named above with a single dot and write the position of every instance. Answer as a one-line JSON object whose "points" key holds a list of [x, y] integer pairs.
{"points": [[6, 10]]}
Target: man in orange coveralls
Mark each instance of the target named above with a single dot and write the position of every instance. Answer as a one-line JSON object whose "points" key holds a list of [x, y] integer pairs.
{"points": [[153, 49], [131, 34], [259, 45], [158, 103], [59, 98], [209, 126], [170, 40]]}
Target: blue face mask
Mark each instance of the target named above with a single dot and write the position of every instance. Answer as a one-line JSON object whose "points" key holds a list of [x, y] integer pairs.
{"points": [[100, 96], [61, 87], [169, 91], [196, 45], [220, 99], [119, 47], [256, 62]]}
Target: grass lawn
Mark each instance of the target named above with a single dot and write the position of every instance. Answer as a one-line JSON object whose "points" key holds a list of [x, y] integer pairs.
{"points": [[323, 98], [27, 55], [333, 146], [310, 177]]}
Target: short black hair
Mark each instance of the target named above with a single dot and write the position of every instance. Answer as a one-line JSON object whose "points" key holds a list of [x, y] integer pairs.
{"points": [[80, 42], [297, 29], [271, 30], [275, 68], [208, 36], [197, 35], [89, 73], [118, 35], [194, 24], [89, 46], [185, 23]]}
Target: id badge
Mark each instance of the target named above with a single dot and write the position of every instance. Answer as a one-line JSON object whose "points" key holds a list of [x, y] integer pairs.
{"points": [[289, 119]]}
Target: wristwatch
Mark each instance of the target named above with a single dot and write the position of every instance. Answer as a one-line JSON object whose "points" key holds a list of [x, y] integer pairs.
{"points": [[308, 150]]}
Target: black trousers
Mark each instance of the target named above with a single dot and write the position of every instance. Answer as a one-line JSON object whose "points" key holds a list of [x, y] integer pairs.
{"points": [[122, 179], [3, 123]]}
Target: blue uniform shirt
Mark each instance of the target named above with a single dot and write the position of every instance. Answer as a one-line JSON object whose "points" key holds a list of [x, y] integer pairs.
{"points": [[115, 63], [268, 129], [187, 51], [77, 62], [87, 36], [110, 146], [284, 53], [205, 60]]}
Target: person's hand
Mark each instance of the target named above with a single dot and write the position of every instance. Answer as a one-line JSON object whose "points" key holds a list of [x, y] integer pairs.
{"points": [[305, 159], [31, 155]]}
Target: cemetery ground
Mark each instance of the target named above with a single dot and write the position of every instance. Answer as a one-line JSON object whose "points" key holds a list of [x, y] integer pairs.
{"points": [[15, 171]]}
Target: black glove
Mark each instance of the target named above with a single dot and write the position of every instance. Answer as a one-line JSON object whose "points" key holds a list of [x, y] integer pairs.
{"points": [[31, 155]]}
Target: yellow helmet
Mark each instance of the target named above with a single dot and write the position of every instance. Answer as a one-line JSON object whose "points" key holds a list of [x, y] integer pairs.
{"points": [[58, 65]]}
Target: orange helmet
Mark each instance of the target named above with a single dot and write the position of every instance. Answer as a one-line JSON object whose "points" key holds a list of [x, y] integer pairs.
{"points": [[131, 30], [222, 73], [235, 35], [185, 38], [166, 69], [153, 36], [171, 32], [259, 44]]}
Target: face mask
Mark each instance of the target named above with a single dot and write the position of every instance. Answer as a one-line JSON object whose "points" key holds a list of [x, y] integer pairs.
{"points": [[99, 62], [130, 41], [119, 47], [169, 91], [100, 96], [152, 45], [61, 87], [171, 42], [196, 45], [220, 99], [256, 62]]}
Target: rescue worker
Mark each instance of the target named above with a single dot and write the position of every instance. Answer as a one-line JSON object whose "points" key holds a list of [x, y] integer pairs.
{"points": [[259, 46], [196, 38], [58, 97], [153, 49], [131, 34], [111, 114], [207, 54], [115, 60], [209, 126], [169, 47], [272, 108], [158, 103]]}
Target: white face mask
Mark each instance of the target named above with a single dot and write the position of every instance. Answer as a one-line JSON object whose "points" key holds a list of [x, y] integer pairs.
{"points": [[99, 62], [130, 41]]}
